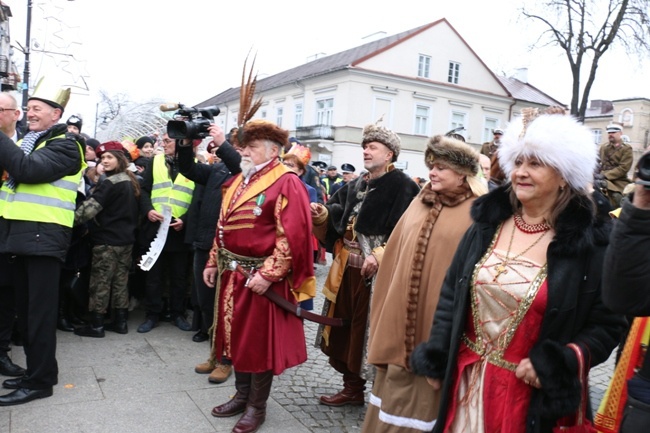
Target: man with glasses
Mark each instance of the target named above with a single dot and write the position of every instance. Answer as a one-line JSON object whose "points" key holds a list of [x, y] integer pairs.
{"points": [[9, 115]]}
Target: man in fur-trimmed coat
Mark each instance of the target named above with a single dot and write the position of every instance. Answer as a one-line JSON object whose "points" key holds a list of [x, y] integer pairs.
{"points": [[355, 225]]}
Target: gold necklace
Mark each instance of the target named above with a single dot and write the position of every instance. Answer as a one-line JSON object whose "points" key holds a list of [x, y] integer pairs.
{"points": [[501, 267]]}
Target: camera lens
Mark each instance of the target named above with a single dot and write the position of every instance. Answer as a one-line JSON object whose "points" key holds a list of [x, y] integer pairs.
{"points": [[644, 168]]}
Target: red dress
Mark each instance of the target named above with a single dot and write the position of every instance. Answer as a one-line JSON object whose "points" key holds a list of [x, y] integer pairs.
{"points": [[506, 316]]}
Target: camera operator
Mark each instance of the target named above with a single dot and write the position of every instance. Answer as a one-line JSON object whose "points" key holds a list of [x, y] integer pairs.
{"points": [[626, 289]]}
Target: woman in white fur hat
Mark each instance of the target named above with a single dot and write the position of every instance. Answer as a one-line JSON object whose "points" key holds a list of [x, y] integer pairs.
{"points": [[524, 283]]}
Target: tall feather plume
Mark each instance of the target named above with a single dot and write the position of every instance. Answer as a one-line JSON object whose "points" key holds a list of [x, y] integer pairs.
{"points": [[248, 108]]}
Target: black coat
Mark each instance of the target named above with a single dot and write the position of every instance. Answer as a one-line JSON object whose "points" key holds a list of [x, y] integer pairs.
{"points": [[203, 214], [574, 311], [59, 158], [626, 274]]}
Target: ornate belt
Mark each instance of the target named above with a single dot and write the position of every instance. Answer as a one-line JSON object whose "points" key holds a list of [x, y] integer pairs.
{"points": [[494, 357], [224, 257]]}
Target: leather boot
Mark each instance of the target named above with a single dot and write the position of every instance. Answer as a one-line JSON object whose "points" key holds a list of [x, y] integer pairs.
{"points": [[119, 322], [238, 403], [255, 413], [95, 329], [352, 393], [63, 324]]}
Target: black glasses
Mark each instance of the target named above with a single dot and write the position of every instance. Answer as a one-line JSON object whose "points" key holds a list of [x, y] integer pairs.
{"points": [[2, 110]]}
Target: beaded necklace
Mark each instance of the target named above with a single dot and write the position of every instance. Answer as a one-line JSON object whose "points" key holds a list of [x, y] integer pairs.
{"points": [[530, 228]]}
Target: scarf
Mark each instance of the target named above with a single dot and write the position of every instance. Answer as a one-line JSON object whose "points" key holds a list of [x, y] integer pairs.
{"points": [[436, 201], [27, 146]]}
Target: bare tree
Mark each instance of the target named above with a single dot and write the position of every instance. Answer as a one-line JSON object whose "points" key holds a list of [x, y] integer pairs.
{"points": [[585, 30], [111, 106]]}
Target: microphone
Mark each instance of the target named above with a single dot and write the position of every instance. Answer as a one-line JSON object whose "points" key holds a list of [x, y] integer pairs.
{"points": [[169, 107]]}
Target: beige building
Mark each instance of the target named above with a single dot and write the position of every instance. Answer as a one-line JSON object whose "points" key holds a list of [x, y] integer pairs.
{"points": [[633, 114], [420, 82]]}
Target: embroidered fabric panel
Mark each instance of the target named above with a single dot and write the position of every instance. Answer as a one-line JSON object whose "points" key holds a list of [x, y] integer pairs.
{"points": [[278, 264]]}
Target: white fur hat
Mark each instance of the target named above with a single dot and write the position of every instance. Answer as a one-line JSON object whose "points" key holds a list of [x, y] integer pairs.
{"points": [[557, 140]]}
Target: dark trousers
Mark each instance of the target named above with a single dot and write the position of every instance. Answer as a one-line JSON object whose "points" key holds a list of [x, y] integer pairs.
{"points": [[7, 305], [36, 280], [204, 294], [176, 264]]}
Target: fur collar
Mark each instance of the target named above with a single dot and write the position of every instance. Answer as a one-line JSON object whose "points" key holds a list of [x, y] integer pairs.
{"points": [[577, 228]]}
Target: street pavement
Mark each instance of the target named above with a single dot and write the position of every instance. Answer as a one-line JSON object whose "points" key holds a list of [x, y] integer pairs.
{"points": [[145, 383]]}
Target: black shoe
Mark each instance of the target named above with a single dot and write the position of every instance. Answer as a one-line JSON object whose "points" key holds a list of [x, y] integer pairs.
{"points": [[182, 324], [63, 324], [148, 325], [12, 383], [200, 337], [24, 395], [8, 368]]}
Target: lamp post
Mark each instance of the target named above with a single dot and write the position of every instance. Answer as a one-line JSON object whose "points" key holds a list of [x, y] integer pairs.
{"points": [[28, 48]]}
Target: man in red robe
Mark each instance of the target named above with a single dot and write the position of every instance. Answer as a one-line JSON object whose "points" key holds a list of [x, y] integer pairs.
{"points": [[265, 226]]}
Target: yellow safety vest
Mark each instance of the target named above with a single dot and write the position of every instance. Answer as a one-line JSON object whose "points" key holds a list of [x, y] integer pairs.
{"points": [[52, 202], [177, 195]]}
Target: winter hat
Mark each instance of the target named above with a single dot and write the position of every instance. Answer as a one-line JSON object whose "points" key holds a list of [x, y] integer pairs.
{"points": [[302, 152], [458, 156], [108, 146], [263, 130], [140, 142], [557, 140], [92, 143], [382, 135], [75, 120]]}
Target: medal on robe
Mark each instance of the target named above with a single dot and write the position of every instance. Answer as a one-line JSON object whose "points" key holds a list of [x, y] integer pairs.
{"points": [[257, 210]]}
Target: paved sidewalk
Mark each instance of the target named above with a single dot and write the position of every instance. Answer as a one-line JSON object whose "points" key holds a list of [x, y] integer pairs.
{"points": [[143, 383]]}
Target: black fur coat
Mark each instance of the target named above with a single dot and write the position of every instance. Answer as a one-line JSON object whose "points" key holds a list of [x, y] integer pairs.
{"points": [[384, 201], [574, 312]]}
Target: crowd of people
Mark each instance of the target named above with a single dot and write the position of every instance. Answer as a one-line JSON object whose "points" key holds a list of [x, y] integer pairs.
{"points": [[466, 302]]}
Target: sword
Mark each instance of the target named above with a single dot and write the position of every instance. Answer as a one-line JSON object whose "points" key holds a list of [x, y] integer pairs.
{"points": [[286, 305]]}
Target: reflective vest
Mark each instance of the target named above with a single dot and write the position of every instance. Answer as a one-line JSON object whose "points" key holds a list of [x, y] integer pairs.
{"points": [[177, 195], [52, 202]]}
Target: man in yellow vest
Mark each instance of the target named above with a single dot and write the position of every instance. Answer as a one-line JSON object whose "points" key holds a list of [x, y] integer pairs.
{"points": [[37, 203], [163, 185]]}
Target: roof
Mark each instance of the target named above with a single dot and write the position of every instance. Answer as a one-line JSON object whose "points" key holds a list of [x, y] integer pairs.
{"points": [[526, 92], [325, 65]]}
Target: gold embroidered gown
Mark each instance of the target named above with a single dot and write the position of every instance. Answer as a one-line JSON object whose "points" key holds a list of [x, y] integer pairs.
{"points": [[506, 314]]}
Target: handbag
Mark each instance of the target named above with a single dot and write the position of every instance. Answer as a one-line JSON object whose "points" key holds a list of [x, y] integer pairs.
{"points": [[578, 422]]}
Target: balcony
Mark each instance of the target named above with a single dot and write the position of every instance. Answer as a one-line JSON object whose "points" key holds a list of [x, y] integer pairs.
{"points": [[315, 132]]}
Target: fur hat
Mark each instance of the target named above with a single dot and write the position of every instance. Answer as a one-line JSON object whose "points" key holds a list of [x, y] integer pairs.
{"points": [[382, 135], [263, 130], [458, 156], [557, 140]]}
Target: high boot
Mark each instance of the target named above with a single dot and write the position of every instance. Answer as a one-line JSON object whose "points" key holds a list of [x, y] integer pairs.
{"points": [[255, 413], [352, 393], [95, 329], [238, 403], [119, 322]]}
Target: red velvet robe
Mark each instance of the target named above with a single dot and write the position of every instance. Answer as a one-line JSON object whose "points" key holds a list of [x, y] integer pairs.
{"points": [[253, 332]]}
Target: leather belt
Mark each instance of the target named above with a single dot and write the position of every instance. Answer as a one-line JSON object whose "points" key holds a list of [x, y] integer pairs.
{"points": [[291, 307]]}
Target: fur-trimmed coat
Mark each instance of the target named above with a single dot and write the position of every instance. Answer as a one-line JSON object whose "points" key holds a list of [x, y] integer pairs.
{"points": [[574, 311], [386, 199]]}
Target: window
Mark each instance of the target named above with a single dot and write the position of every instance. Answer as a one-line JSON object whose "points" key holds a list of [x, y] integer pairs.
{"points": [[424, 64], [263, 113], [279, 111], [421, 120], [490, 124], [454, 72], [598, 135], [458, 121], [298, 118], [324, 111]]}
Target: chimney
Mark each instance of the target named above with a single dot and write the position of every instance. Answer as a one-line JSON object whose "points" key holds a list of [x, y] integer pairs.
{"points": [[521, 74]]}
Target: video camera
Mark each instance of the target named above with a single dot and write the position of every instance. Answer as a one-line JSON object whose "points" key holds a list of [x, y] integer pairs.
{"points": [[190, 122]]}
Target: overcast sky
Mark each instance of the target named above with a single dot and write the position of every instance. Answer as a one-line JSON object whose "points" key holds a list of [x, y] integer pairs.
{"points": [[187, 51]]}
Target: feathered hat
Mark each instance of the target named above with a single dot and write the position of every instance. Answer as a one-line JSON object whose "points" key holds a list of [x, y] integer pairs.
{"points": [[382, 135], [458, 156], [248, 105], [555, 139]]}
